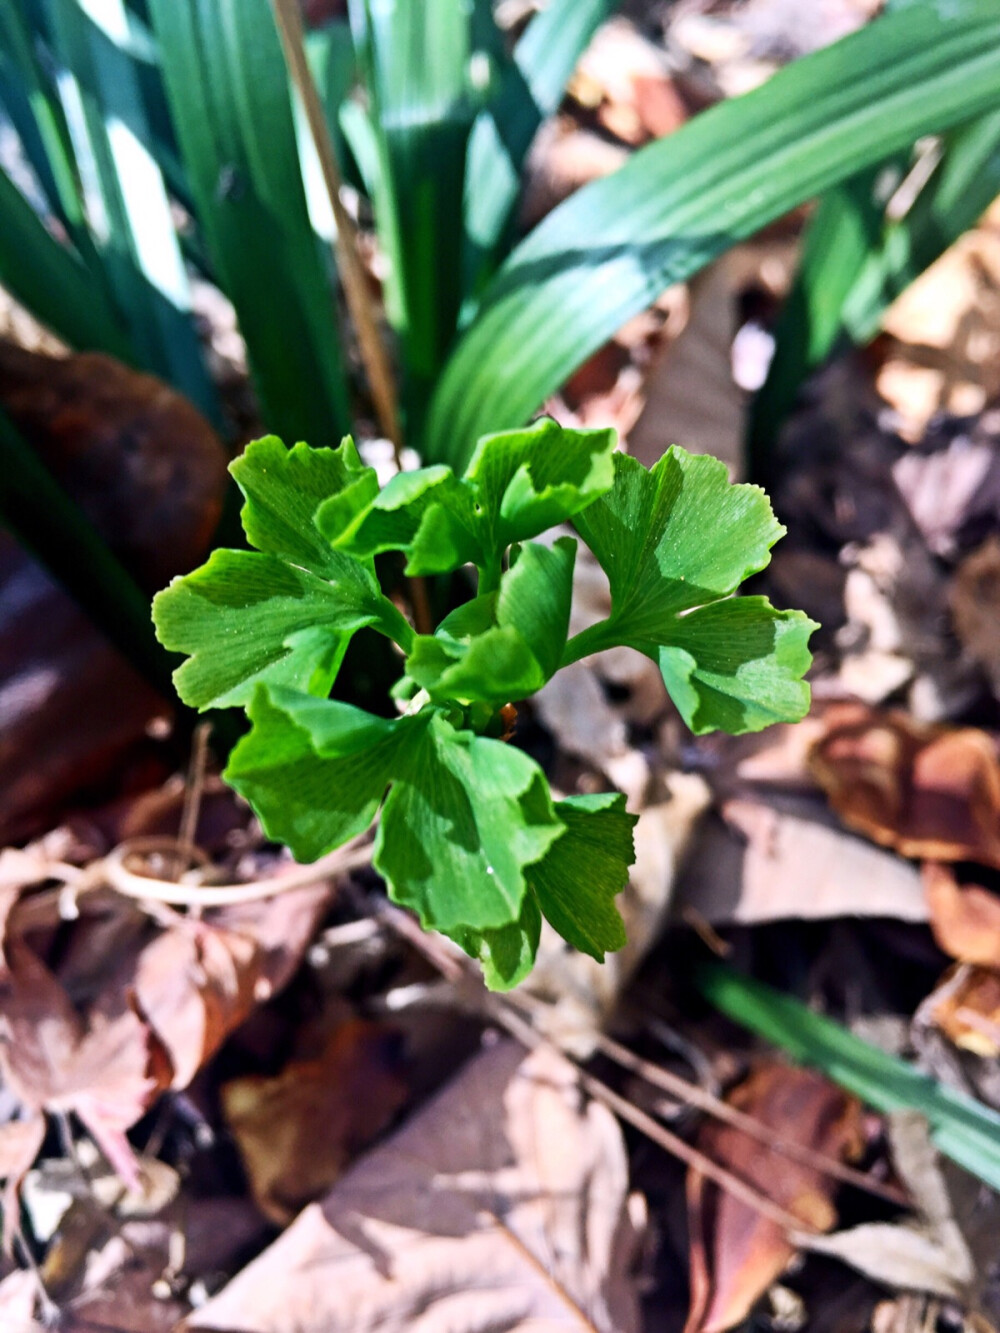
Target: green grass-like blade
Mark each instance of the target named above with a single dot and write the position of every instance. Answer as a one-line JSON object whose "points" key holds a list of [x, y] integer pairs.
{"points": [[966, 182], [415, 61], [962, 1128], [52, 282], [607, 252], [139, 246], [531, 88], [227, 88]]}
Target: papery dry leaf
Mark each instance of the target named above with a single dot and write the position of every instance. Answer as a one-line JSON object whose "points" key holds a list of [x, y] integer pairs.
{"points": [[924, 1253], [143, 464], [297, 1131], [763, 864], [735, 1252], [18, 1298], [968, 1011], [927, 791], [501, 1206], [195, 984], [965, 919], [20, 1143], [106, 1067], [975, 608], [625, 80]]}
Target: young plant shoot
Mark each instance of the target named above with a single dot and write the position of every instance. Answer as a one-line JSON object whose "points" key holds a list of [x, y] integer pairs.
{"points": [[469, 835]]}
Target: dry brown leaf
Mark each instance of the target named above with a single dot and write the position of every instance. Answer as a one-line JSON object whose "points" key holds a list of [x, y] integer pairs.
{"points": [[735, 1252], [297, 1131], [143, 464], [968, 1011], [18, 1298], [975, 608], [107, 1068], [965, 918], [501, 1205], [763, 864], [20, 1143], [624, 79], [928, 791]]}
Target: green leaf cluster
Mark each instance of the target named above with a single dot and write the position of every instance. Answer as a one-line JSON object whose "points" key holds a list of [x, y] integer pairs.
{"points": [[469, 835]]}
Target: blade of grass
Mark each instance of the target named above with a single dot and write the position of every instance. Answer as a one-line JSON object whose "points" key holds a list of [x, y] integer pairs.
{"points": [[50, 280], [531, 87], [966, 182], [844, 230], [228, 92], [415, 60], [962, 1128], [135, 230], [48, 522], [856, 261], [606, 253]]}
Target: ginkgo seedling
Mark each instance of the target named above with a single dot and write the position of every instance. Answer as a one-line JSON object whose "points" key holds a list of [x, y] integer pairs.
{"points": [[469, 835]]}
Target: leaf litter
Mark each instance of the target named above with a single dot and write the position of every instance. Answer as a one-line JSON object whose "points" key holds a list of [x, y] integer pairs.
{"points": [[222, 1043]]}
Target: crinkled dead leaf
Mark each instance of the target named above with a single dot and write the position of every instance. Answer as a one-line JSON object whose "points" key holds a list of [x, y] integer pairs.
{"points": [[501, 1205], [968, 1011], [20, 1143], [761, 863], [297, 1131], [106, 1067], [974, 595], [927, 791], [965, 918], [735, 1252]]}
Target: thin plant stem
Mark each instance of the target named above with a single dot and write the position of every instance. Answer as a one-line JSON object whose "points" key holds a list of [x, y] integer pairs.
{"points": [[373, 353]]}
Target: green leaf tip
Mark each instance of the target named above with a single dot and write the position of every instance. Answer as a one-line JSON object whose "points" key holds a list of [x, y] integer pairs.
{"points": [[469, 836]]}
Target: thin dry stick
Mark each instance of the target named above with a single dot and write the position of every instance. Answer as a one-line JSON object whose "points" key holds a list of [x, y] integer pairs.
{"points": [[373, 353], [193, 789], [359, 301], [114, 871], [671, 1143], [503, 1013], [693, 1095]]}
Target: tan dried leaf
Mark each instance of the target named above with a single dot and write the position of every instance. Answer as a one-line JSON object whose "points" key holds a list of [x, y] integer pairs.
{"points": [[502, 1205]]}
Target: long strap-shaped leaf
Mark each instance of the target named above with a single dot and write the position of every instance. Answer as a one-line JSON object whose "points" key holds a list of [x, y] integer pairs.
{"points": [[531, 89], [607, 252], [226, 84], [416, 65], [855, 263], [963, 1129], [52, 282], [137, 241]]}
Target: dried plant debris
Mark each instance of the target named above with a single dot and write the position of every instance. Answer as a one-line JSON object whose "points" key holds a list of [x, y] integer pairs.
{"points": [[502, 1205]]}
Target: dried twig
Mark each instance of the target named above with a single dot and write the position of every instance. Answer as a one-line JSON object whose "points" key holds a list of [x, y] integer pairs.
{"points": [[359, 300], [113, 870], [693, 1095], [502, 1011]]}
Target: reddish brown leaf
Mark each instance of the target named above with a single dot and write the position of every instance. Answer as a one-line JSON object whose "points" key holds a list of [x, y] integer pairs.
{"points": [[928, 791], [297, 1131], [735, 1252], [968, 1011], [965, 918], [197, 982], [106, 1067], [146, 467], [20, 1144]]}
